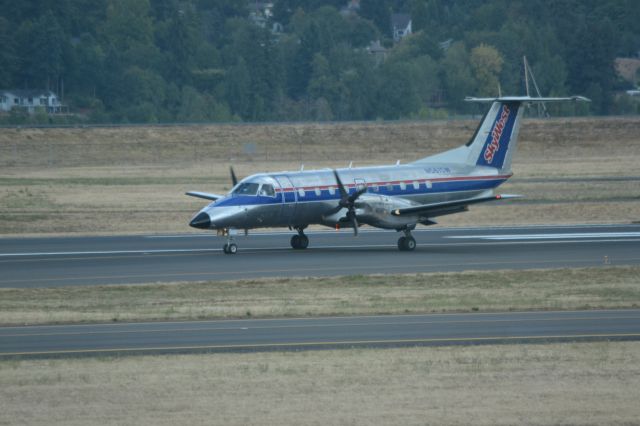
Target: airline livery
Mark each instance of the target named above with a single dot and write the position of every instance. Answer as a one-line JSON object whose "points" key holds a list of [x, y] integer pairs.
{"points": [[395, 197]]}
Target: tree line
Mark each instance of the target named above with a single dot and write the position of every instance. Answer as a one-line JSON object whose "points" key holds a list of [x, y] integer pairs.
{"points": [[209, 60]]}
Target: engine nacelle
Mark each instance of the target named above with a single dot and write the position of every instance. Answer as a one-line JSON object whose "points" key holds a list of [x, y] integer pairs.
{"points": [[375, 210]]}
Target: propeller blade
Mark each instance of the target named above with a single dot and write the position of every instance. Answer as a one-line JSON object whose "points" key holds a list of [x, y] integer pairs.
{"points": [[355, 196], [234, 179], [343, 192], [354, 222]]}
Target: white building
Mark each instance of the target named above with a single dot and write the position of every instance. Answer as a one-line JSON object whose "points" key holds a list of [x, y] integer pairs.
{"points": [[401, 26], [30, 100]]}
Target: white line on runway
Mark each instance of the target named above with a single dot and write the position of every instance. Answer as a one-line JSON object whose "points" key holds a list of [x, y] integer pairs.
{"points": [[419, 230], [330, 247], [550, 236]]}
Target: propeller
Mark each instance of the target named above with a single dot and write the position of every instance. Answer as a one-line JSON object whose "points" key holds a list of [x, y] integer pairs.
{"points": [[234, 179], [348, 202]]}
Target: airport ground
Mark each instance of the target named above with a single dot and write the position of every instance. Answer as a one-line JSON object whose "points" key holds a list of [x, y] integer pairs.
{"points": [[131, 180]]}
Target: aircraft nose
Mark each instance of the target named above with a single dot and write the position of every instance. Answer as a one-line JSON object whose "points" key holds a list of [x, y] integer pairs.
{"points": [[201, 221]]}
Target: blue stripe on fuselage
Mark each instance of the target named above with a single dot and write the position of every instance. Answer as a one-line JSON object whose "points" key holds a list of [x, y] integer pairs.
{"points": [[325, 195]]}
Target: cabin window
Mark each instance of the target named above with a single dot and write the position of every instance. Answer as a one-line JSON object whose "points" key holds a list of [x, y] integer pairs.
{"points": [[428, 184], [318, 192], [301, 192], [416, 184], [267, 190], [332, 190], [403, 186], [389, 187], [246, 188], [374, 187]]}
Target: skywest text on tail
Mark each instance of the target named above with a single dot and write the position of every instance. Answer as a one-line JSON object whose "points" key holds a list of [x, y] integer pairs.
{"points": [[395, 197]]}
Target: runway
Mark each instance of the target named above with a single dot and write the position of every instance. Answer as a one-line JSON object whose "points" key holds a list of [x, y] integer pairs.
{"points": [[51, 262], [319, 333]]}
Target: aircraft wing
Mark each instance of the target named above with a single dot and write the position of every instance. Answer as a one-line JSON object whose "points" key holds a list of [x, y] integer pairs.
{"points": [[205, 195], [448, 207]]}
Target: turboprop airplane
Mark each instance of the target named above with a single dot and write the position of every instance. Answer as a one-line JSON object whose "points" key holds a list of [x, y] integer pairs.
{"points": [[395, 197]]}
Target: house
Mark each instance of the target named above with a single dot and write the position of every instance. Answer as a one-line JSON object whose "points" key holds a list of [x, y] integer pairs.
{"points": [[378, 52], [30, 100], [260, 12], [400, 25]]}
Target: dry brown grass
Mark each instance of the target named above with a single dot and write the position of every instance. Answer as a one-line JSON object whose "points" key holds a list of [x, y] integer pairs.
{"points": [[578, 383], [606, 287], [56, 181]]}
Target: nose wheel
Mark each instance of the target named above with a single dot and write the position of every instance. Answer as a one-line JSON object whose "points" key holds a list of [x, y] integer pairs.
{"points": [[300, 241], [229, 247]]}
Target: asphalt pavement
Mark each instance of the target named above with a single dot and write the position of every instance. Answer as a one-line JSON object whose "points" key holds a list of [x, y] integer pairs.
{"points": [[63, 261], [318, 333]]}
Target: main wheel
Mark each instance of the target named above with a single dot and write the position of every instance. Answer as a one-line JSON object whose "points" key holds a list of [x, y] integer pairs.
{"points": [[295, 241], [401, 243], [300, 242], [410, 244], [406, 243]]}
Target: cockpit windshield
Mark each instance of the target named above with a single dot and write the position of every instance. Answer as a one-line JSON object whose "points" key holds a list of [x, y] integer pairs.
{"points": [[246, 188]]}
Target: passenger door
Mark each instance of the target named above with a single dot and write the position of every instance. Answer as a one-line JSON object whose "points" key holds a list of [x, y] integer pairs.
{"points": [[289, 199]]}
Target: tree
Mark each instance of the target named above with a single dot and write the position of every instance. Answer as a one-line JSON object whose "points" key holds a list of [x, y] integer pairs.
{"points": [[457, 77], [379, 12], [419, 15], [9, 61], [43, 44], [486, 63]]}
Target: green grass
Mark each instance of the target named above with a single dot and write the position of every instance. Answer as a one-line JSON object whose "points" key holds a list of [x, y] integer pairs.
{"points": [[585, 288]]}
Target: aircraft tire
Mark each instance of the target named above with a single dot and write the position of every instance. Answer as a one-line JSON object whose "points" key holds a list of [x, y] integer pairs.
{"points": [[225, 248], [401, 243], [406, 244], [410, 244], [299, 242], [232, 249]]}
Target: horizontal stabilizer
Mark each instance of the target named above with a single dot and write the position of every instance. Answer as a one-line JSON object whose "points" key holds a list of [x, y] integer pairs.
{"points": [[437, 209], [526, 99], [205, 195]]}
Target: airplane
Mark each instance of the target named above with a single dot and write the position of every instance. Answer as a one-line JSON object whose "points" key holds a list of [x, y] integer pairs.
{"points": [[397, 197]]}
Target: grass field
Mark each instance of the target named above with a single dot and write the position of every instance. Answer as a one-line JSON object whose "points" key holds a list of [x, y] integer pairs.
{"points": [[132, 179], [567, 384], [586, 288]]}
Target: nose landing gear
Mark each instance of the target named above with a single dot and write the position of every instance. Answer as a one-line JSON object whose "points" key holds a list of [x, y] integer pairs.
{"points": [[229, 247]]}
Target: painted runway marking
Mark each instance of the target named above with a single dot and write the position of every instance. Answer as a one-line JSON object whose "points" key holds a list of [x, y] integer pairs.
{"points": [[500, 240], [340, 343], [570, 236]]}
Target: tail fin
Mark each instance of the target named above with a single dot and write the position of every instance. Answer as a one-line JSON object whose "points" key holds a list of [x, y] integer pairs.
{"points": [[495, 140]]}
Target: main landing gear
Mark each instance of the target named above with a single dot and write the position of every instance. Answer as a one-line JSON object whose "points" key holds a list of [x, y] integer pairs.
{"points": [[300, 241], [406, 242]]}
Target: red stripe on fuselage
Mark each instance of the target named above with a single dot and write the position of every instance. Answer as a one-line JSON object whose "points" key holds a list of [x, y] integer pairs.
{"points": [[398, 182]]}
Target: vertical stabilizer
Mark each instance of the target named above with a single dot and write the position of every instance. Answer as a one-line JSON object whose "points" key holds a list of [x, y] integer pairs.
{"points": [[495, 140]]}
